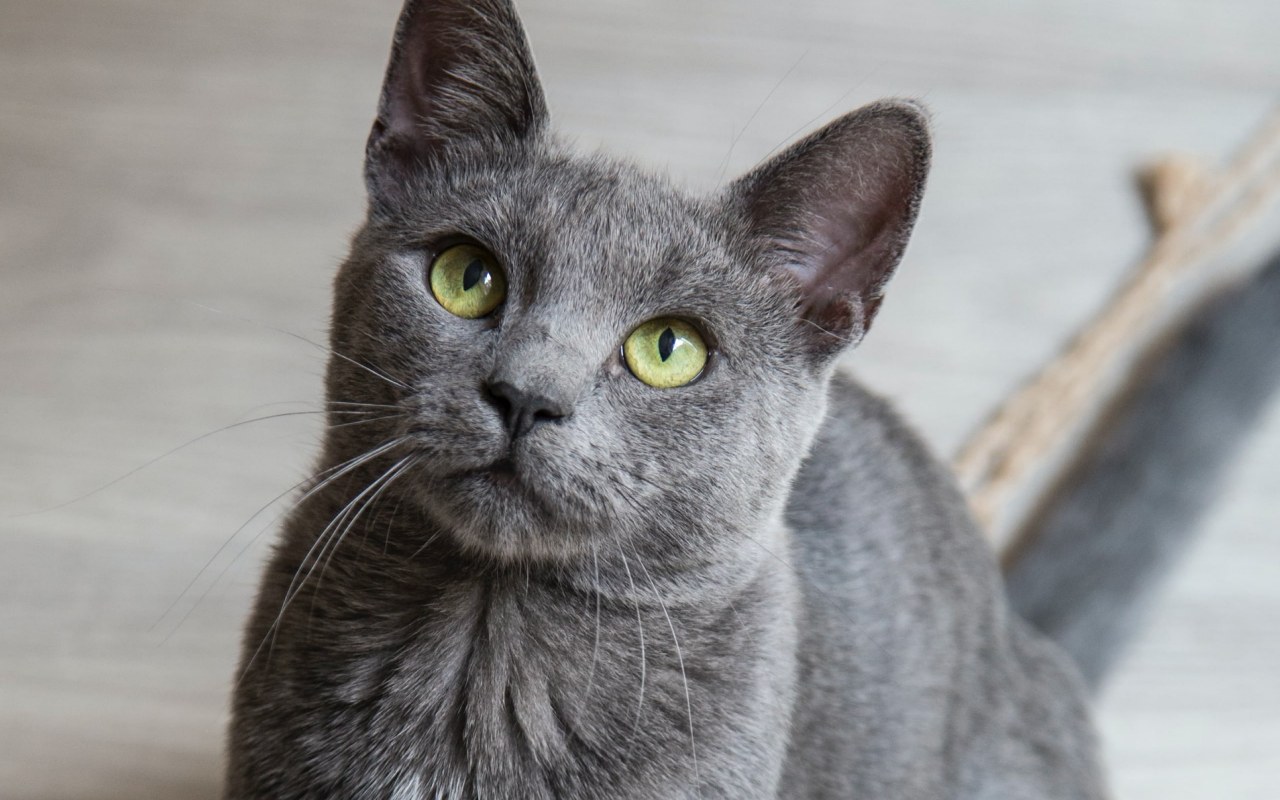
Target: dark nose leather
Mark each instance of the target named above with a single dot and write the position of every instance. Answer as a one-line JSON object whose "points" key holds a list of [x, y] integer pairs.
{"points": [[521, 409]]}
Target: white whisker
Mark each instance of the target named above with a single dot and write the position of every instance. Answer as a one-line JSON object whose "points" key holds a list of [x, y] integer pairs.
{"points": [[389, 477], [351, 463], [376, 373], [644, 666], [688, 701], [290, 591], [595, 589]]}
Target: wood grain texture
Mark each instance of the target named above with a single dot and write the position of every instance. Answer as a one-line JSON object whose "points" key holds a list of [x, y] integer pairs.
{"points": [[177, 181]]}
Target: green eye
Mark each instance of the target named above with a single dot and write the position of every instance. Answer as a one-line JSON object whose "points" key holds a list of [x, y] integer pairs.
{"points": [[467, 281], [665, 353]]}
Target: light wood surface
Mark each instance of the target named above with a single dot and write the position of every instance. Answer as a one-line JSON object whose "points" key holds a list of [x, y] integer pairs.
{"points": [[177, 181]]}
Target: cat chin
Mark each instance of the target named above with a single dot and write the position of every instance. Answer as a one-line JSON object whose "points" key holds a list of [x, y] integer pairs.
{"points": [[494, 512]]}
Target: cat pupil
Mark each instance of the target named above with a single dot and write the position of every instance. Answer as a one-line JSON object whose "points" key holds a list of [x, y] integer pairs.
{"points": [[475, 271], [666, 343]]}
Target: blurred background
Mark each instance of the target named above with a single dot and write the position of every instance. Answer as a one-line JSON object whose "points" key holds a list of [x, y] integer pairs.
{"points": [[177, 184]]}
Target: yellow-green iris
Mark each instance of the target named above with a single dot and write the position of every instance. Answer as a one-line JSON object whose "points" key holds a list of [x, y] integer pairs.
{"points": [[467, 281], [665, 352]]}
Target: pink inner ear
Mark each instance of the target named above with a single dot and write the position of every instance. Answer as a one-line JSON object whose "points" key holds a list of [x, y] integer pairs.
{"points": [[838, 208], [847, 263]]}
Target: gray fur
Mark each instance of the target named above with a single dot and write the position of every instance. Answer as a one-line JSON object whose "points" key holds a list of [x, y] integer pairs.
{"points": [[758, 585], [1156, 466]]}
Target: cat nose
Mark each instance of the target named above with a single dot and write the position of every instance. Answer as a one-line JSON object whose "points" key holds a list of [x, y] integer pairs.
{"points": [[522, 409]]}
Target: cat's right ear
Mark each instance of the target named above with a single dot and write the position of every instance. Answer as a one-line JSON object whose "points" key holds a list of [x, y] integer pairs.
{"points": [[461, 74]]}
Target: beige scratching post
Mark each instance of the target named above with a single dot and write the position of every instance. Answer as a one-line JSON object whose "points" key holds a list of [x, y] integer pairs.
{"points": [[1207, 236]]}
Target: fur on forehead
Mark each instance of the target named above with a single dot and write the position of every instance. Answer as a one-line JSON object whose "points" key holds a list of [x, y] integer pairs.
{"points": [[593, 226], [533, 185]]}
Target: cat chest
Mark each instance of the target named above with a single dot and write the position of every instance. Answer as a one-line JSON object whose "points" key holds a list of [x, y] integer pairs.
{"points": [[491, 696], [508, 701]]}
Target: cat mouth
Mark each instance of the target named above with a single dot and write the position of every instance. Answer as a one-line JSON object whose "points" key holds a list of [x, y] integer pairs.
{"points": [[502, 472]]}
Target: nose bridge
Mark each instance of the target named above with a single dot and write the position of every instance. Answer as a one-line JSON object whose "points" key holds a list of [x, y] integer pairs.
{"points": [[540, 363]]}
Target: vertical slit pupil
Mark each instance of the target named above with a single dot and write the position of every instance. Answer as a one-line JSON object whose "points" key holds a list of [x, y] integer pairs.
{"points": [[474, 272], [666, 343]]}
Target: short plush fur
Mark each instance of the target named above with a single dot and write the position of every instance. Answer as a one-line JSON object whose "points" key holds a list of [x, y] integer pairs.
{"points": [[757, 585]]}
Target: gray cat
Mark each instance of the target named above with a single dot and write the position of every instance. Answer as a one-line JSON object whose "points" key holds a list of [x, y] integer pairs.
{"points": [[597, 519]]}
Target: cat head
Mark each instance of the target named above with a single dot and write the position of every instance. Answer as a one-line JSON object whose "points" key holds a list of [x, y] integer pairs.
{"points": [[588, 358]]}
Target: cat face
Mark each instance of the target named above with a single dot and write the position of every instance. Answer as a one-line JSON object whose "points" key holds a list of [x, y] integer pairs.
{"points": [[589, 251], [532, 434]]}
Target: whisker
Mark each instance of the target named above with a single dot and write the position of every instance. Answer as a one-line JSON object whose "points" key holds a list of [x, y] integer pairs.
{"points": [[311, 342], [823, 113], [635, 506], [327, 537], [323, 540], [644, 665], [333, 473], [595, 587], [424, 546], [386, 542], [728, 157], [290, 592], [688, 701], [376, 373], [391, 406], [389, 477], [844, 340], [366, 421], [161, 457]]}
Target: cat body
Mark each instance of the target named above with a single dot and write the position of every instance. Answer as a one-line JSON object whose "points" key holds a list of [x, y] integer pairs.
{"points": [[529, 573], [914, 678], [870, 655]]}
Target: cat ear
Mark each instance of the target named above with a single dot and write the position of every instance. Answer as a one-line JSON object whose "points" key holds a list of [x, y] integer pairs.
{"points": [[835, 212], [461, 72]]}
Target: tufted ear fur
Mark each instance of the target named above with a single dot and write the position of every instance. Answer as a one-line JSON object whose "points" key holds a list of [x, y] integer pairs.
{"points": [[836, 210], [461, 73]]}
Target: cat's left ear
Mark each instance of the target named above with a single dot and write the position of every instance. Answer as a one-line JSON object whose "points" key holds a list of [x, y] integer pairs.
{"points": [[835, 211], [461, 74]]}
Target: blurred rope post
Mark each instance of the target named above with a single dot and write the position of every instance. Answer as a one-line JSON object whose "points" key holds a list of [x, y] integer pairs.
{"points": [[1195, 214]]}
